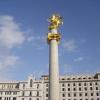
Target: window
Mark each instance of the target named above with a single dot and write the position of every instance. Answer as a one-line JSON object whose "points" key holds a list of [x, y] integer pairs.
{"points": [[73, 78], [68, 89], [63, 95], [85, 94], [63, 84], [46, 95], [30, 99], [22, 98], [17, 86], [79, 89], [23, 93], [91, 94], [30, 94], [46, 89], [63, 89], [37, 93], [96, 88], [85, 88], [68, 94], [84, 78], [79, 78], [91, 88], [46, 85], [79, 84], [92, 99], [31, 82], [90, 84], [7, 98], [14, 98], [68, 84], [89, 78], [0, 98], [37, 86], [63, 78], [97, 94], [74, 84], [84, 84], [96, 83], [80, 94], [74, 89], [68, 78], [98, 99], [74, 94], [23, 86]]}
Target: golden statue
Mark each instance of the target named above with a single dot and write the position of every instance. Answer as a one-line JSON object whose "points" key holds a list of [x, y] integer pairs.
{"points": [[55, 21]]}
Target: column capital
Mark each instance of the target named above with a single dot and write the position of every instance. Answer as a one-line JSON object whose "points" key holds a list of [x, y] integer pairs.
{"points": [[53, 36]]}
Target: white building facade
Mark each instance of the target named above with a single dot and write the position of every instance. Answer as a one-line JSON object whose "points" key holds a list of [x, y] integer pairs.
{"points": [[76, 87]]}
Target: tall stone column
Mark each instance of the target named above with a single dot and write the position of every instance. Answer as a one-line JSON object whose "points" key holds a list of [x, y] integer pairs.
{"points": [[53, 41]]}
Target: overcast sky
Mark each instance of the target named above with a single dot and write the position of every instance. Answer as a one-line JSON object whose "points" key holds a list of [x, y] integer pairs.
{"points": [[23, 31]]}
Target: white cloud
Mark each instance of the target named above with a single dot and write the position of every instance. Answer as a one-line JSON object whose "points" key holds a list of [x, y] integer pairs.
{"points": [[8, 61], [37, 41], [40, 38], [78, 59], [36, 38], [70, 45], [10, 32], [31, 38], [11, 36], [67, 68]]}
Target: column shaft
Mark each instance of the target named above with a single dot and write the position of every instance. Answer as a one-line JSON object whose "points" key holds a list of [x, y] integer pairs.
{"points": [[53, 71]]}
